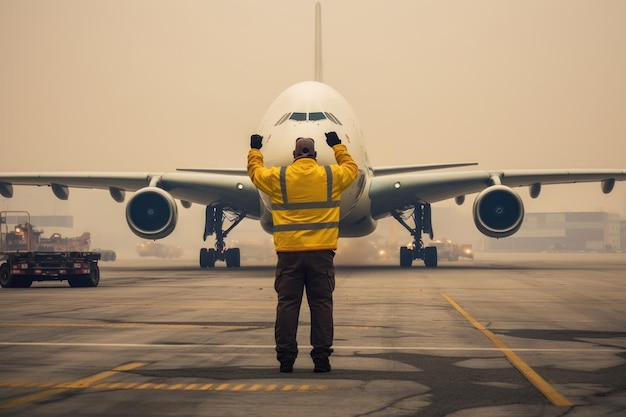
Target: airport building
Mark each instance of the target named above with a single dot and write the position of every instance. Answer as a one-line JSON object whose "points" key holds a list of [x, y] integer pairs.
{"points": [[572, 231]]}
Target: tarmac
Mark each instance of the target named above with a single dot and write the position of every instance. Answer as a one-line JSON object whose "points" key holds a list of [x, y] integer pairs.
{"points": [[502, 335]]}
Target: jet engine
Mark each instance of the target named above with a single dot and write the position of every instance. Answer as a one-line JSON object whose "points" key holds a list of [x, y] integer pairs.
{"points": [[498, 211], [152, 213]]}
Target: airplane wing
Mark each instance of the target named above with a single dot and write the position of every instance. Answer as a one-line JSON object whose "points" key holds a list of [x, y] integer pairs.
{"points": [[229, 188], [390, 193]]}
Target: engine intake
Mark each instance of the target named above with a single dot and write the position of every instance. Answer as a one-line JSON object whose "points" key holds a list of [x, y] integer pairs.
{"points": [[498, 211], [152, 213]]}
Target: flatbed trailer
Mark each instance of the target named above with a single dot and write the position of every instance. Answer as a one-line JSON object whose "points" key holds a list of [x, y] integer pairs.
{"points": [[20, 269], [21, 262]]}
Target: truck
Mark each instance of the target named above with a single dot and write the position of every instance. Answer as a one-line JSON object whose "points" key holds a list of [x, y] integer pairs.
{"points": [[159, 250], [447, 249], [26, 257]]}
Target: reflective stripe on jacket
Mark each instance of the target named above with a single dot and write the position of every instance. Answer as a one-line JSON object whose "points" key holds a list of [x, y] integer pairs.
{"points": [[305, 199]]}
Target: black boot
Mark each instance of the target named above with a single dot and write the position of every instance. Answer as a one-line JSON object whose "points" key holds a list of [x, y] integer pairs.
{"points": [[322, 364], [286, 366]]}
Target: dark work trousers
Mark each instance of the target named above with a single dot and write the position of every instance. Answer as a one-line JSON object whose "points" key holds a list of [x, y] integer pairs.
{"points": [[315, 272]]}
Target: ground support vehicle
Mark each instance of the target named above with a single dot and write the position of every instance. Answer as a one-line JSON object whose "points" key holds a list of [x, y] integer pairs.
{"points": [[447, 249], [159, 250], [20, 269], [23, 259]]}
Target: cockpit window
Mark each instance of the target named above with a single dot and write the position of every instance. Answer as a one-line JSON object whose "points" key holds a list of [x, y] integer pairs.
{"points": [[312, 117], [333, 118], [301, 117], [316, 116], [282, 119]]}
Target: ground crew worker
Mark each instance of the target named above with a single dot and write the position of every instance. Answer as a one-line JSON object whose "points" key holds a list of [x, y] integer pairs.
{"points": [[305, 211]]}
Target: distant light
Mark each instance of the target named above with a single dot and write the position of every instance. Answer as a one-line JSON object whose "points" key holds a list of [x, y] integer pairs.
{"points": [[239, 186], [396, 185]]}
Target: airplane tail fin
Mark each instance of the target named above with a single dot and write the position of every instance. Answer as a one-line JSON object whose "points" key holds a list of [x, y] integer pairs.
{"points": [[318, 42]]}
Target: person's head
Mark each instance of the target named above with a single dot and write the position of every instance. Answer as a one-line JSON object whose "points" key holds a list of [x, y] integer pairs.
{"points": [[305, 148]]}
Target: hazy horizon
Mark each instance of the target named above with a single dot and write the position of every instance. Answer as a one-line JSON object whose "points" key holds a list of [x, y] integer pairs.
{"points": [[157, 85]]}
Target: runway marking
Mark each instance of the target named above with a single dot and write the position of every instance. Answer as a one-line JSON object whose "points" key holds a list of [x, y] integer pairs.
{"points": [[529, 373], [272, 347], [227, 387], [93, 382], [58, 388]]}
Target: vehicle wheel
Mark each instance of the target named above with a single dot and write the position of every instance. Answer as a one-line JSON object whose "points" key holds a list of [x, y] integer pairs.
{"points": [[6, 280], [90, 280], [23, 283], [75, 282], [211, 258], [406, 257], [233, 258], [204, 258], [430, 257], [93, 279]]}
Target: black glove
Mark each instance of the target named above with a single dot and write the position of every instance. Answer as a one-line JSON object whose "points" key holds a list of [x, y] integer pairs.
{"points": [[255, 141], [332, 139]]}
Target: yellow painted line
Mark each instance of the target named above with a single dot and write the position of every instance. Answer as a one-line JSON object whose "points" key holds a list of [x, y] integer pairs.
{"points": [[65, 386], [529, 373], [16, 402]]}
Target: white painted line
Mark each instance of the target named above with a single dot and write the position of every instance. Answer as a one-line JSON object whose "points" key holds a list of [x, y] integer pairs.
{"points": [[383, 348]]}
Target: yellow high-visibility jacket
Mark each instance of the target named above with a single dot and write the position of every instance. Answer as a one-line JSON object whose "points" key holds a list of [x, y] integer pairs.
{"points": [[305, 199]]}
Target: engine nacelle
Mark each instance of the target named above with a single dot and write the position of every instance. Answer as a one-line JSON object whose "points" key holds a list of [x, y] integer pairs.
{"points": [[498, 211], [152, 213]]}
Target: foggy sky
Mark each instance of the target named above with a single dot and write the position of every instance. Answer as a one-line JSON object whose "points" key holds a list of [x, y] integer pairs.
{"points": [[152, 85]]}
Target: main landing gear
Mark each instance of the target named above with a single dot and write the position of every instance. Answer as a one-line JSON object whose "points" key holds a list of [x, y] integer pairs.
{"points": [[423, 224], [215, 216]]}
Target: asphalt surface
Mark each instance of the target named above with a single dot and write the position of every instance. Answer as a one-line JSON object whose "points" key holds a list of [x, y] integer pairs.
{"points": [[503, 335]]}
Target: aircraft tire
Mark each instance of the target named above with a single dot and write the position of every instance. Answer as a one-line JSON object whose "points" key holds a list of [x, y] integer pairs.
{"points": [[204, 258], [211, 258], [406, 257], [233, 258], [430, 257]]}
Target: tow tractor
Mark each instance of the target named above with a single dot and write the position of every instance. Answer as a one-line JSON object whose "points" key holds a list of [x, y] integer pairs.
{"points": [[21, 262]]}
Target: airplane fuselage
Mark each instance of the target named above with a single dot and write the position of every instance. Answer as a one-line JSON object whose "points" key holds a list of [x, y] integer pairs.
{"points": [[310, 109]]}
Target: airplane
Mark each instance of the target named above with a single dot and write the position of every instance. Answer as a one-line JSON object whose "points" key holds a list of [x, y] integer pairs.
{"points": [[309, 109]]}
